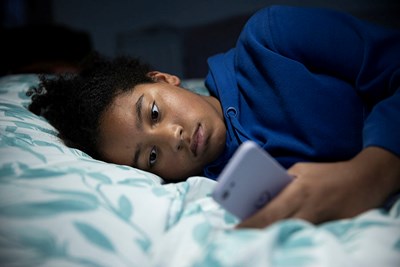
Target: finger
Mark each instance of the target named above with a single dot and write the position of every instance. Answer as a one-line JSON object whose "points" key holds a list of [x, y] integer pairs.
{"points": [[307, 215], [296, 170], [286, 204]]}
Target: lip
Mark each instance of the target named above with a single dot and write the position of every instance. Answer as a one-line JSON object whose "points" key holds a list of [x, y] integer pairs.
{"points": [[198, 140]]}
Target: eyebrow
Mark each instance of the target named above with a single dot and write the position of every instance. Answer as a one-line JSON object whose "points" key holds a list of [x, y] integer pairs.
{"points": [[138, 105]]}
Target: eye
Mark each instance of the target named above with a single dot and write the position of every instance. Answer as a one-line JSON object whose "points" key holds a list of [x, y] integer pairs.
{"points": [[154, 113], [153, 157]]}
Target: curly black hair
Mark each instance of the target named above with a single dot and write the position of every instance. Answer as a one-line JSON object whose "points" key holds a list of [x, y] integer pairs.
{"points": [[75, 103]]}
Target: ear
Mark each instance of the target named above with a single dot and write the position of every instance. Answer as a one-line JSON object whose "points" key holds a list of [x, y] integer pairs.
{"points": [[158, 76]]}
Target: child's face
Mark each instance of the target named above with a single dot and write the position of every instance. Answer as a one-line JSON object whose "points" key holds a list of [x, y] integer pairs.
{"points": [[164, 129]]}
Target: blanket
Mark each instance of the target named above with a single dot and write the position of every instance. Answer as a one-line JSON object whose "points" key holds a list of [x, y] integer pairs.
{"points": [[60, 207]]}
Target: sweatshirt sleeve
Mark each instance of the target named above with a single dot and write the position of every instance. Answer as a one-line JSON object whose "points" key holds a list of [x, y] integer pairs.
{"points": [[364, 55]]}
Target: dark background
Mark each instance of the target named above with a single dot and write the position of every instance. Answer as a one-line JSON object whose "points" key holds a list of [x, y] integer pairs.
{"points": [[174, 36]]}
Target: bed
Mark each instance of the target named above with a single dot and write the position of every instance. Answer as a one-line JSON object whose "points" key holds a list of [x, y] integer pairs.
{"points": [[60, 207]]}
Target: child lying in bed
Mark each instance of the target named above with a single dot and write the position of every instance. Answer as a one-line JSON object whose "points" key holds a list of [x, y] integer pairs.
{"points": [[317, 89]]}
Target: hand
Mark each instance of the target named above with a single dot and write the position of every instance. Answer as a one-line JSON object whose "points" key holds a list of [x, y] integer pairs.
{"points": [[328, 191]]}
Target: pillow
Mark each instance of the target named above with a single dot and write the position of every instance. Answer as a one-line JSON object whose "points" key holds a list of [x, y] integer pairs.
{"points": [[59, 205]]}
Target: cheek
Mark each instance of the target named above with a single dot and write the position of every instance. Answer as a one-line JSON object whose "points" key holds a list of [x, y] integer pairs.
{"points": [[179, 113], [178, 168], [116, 154], [185, 106], [117, 146]]}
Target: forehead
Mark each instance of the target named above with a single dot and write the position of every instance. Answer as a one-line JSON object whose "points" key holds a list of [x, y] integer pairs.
{"points": [[149, 89], [119, 111], [117, 122]]}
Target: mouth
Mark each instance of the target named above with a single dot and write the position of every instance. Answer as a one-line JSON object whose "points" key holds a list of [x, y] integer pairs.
{"points": [[198, 140]]}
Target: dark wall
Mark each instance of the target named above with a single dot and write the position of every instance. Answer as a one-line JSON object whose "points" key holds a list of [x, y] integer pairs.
{"points": [[172, 35], [31, 40]]}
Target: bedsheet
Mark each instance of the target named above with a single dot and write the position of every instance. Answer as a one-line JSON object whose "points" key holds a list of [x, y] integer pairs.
{"points": [[60, 207]]}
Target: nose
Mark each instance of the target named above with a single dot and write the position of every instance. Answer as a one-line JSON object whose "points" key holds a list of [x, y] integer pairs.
{"points": [[178, 137], [170, 136]]}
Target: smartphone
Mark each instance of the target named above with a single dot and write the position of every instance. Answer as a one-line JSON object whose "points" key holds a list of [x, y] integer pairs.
{"points": [[249, 181]]}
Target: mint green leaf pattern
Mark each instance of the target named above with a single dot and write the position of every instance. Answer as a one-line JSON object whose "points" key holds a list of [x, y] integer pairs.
{"points": [[397, 245], [23, 171], [144, 244], [6, 141], [136, 182], [60, 207], [48, 208], [22, 95], [160, 191], [41, 244], [294, 260], [125, 207], [230, 219], [94, 236], [201, 232], [47, 144], [42, 241], [100, 177]]}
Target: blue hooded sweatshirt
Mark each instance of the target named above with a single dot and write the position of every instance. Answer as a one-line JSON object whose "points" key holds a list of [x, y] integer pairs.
{"points": [[308, 85]]}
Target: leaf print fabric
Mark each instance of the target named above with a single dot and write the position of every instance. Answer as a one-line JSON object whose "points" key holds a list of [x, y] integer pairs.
{"points": [[60, 207]]}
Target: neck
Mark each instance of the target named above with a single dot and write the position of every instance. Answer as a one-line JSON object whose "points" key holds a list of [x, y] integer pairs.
{"points": [[213, 101]]}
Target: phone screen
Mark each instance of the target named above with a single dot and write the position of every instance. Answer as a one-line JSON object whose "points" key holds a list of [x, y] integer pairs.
{"points": [[250, 180]]}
